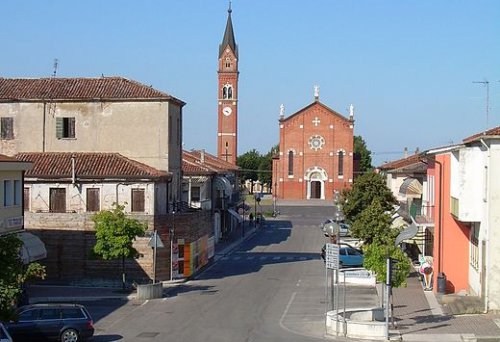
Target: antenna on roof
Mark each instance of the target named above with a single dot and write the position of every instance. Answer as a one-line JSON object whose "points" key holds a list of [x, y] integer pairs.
{"points": [[56, 62], [487, 84]]}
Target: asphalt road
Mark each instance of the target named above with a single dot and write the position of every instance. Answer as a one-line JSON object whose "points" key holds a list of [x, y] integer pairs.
{"points": [[271, 288]]}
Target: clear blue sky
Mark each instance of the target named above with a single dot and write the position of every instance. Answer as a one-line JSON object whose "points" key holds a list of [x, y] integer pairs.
{"points": [[407, 66]]}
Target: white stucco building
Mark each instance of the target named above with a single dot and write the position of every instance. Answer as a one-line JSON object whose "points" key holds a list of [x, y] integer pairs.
{"points": [[106, 114]]}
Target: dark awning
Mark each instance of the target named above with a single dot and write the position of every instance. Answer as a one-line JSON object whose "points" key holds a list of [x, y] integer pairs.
{"points": [[33, 248], [235, 215]]}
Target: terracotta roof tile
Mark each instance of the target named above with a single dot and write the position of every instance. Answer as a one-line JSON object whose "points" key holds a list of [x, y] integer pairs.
{"points": [[490, 132], [200, 162], [412, 163], [57, 89], [87, 165]]}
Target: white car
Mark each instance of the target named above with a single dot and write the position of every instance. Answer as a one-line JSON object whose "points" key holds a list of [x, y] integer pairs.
{"points": [[4, 335], [344, 227]]}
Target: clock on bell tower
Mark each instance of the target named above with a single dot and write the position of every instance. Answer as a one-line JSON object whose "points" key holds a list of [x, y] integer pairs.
{"points": [[227, 129]]}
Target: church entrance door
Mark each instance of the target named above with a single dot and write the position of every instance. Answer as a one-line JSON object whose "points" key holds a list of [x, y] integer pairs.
{"points": [[315, 189]]}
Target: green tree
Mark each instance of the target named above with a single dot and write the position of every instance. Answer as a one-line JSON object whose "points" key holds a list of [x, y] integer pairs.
{"points": [[249, 163], [362, 154], [115, 234], [13, 274], [373, 225], [365, 189], [376, 260]]}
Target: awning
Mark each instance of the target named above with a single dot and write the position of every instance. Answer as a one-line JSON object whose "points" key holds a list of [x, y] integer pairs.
{"points": [[223, 185], [235, 215], [411, 187], [407, 234], [33, 248]]}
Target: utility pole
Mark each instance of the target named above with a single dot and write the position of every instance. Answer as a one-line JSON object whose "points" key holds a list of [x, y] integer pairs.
{"points": [[487, 84]]}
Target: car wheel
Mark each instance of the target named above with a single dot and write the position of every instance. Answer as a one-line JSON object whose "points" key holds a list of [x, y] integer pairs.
{"points": [[70, 335]]}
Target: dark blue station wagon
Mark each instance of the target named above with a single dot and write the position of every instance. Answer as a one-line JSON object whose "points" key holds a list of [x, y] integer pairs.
{"points": [[63, 322]]}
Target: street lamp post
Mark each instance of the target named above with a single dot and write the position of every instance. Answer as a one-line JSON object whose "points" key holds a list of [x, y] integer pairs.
{"points": [[172, 231], [243, 225]]}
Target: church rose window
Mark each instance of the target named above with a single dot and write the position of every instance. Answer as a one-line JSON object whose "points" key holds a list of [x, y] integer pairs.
{"points": [[316, 142]]}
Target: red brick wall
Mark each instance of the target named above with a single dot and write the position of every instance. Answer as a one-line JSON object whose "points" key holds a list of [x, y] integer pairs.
{"points": [[295, 134]]}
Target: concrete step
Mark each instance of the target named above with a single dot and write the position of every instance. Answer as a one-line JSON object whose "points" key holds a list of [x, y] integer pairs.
{"points": [[461, 305]]}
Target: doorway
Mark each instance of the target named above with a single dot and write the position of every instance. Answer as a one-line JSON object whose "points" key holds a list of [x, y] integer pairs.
{"points": [[315, 189]]}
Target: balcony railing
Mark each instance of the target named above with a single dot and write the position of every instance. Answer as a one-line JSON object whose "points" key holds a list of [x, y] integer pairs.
{"points": [[420, 213]]}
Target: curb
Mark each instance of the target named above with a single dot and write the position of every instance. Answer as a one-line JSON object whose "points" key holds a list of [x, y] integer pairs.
{"points": [[37, 300]]}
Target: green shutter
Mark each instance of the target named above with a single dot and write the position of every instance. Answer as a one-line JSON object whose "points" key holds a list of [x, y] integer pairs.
{"points": [[59, 128]]}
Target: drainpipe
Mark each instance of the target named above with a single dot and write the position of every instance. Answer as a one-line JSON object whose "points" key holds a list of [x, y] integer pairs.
{"points": [[44, 125], [440, 219], [73, 172], [487, 180]]}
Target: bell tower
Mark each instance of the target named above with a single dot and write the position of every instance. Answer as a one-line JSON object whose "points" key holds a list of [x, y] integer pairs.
{"points": [[227, 129]]}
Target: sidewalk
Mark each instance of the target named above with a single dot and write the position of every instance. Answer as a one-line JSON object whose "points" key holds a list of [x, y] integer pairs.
{"points": [[418, 314], [58, 293], [419, 317]]}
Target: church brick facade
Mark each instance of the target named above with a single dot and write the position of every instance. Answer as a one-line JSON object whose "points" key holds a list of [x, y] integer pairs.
{"points": [[315, 154]]}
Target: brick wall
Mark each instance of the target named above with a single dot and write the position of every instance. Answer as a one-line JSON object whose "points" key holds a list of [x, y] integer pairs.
{"points": [[70, 238]]}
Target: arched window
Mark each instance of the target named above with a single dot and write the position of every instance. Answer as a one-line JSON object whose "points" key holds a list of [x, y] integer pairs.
{"points": [[341, 163], [228, 62], [290, 163], [227, 92]]}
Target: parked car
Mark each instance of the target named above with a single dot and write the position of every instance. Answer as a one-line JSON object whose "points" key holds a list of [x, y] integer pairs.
{"points": [[4, 335], [63, 322], [348, 256], [344, 227]]}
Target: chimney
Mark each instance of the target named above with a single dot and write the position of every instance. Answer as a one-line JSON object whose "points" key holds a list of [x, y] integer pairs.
{"points": [[405, 152], [417, 150], [202, 156]]}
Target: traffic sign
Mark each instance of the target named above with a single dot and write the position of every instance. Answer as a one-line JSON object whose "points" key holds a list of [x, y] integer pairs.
{"points": [[332, 256]]}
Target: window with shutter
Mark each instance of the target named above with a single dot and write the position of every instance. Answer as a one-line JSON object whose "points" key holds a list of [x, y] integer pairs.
{"points": [[93, 203], [7, 128], [57, 200], [65, 128], [137, 200], [195, 194]]}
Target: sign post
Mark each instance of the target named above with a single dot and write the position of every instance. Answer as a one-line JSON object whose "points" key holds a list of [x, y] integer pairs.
{"points": [[155, 242]]}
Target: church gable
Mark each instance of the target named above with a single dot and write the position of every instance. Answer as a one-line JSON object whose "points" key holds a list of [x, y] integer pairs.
{"points": [[316, 107]]}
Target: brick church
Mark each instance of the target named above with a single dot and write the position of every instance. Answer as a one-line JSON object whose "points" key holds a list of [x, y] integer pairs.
{"points": [[316, 143], [315, 153]]}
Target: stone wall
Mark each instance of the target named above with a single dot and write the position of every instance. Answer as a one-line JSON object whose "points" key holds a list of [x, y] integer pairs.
{"points": [[70, 238]]}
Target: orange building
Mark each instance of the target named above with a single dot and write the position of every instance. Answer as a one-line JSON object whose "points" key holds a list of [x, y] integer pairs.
{"points": [[315, 153], [451, 237]]}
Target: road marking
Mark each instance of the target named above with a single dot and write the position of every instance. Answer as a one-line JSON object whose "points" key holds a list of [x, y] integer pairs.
{"points": [[298, 282]]}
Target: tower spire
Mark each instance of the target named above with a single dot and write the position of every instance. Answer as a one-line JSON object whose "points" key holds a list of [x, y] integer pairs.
{"points": [[228, 39]]}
